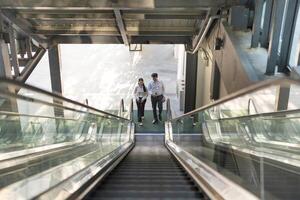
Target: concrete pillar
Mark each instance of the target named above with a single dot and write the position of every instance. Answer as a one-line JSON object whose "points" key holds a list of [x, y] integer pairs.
{"points": [[55, 69], [190, 82], [282, 98], [277, 18], [265, 35], [288, 33], [256, 24], [55, 77]]}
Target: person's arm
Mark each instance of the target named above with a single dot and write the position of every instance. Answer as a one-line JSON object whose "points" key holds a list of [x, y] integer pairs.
{"points": [[136, 93], [146, 94], [150, 88], [162, 88]]}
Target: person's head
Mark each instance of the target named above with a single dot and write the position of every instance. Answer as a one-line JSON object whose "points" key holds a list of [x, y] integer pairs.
{"points": [[141, 83], [154, 76]]}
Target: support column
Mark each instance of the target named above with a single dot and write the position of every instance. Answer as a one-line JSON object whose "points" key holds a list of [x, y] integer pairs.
{"points": [[55, 69], [265, 35], [259, 4], [190, 82], [282, 98], [56, 81], [28, 48], [289, 25], [277, 18], [5, 67], [13, 50]]}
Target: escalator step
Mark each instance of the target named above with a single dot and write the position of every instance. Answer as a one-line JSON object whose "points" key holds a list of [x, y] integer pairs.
{"points": [[149, 181], [143, 198], [150, 187], [150, 178], [147, 194], [157, 173]]}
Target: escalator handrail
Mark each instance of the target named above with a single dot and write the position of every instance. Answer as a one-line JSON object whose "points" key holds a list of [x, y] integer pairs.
{"points": [[169, 112], [57, 96], [122, 108], [242, 92], [273, 114], [131, 110], [252, 102]]}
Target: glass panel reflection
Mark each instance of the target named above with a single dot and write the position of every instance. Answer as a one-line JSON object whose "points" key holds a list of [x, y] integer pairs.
{"points": [[39, 131], [253, 139]]}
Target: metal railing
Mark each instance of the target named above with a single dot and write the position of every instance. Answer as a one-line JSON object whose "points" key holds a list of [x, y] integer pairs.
{"points": [[240, 93], [97, 158], [168, 110], [198, 169]]}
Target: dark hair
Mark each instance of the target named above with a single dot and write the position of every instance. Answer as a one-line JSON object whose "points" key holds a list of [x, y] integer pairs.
{"points": [[154, 75], [144, 87]]}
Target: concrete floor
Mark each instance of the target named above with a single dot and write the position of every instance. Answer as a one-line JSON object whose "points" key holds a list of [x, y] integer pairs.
{"points": [[104, 74]]}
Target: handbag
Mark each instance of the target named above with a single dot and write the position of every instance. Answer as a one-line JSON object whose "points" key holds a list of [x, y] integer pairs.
{"points": [[163, 99]]}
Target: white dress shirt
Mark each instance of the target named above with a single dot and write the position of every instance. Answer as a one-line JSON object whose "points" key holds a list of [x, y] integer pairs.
{"points": [[156, 88], [140, 93]]}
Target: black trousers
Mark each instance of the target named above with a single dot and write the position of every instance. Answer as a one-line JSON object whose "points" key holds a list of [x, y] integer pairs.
{"points": [[141, 108], [157, 101]]}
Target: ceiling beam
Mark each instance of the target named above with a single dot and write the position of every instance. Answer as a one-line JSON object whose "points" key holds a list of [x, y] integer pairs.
{"points": [[22, 26], [121, 26], [86, 39], [96, 39], [96, 17], [30, 66], [143, 32], [116, 4]]}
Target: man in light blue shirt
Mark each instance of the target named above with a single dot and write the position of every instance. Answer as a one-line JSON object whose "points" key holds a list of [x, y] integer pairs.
{"points": [[156, 89]]}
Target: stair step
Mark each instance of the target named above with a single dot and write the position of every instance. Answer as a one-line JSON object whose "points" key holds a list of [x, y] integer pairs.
{"points": [[143, 198], [148, 187], [149, 166], [145, 177], [148, 194], [154, 172], [148, 181]]}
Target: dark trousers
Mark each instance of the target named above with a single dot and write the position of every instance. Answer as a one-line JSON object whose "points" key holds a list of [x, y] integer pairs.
{"points": [[157, 101], [141, 108]]}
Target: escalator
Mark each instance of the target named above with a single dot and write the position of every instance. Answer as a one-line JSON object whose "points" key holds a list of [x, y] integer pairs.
{"points": [[67, 150], [148, 172]]}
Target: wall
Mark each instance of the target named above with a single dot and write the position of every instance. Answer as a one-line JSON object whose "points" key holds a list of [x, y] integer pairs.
{"points": [[235, 74]]}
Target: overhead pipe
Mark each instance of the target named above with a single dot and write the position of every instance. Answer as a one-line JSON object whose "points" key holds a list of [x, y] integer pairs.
{"points": [[210, 20]]}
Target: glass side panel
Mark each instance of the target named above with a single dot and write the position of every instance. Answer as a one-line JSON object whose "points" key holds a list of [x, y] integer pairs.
{"points": [[252, 139], [39, 132]]}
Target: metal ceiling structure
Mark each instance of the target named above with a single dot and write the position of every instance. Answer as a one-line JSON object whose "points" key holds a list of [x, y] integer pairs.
{"points": [[110, 21], [29, 27]]}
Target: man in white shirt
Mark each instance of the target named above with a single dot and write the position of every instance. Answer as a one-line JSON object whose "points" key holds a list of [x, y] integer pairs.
{"points": [[156, 89]]}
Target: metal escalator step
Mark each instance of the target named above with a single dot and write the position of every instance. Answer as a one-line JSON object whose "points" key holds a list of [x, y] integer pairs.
{"points": [[149, 181], [149, 173], [147, 194], [150, 187], [149, 164], [145, 177], [142, 198], [175, 170]]}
